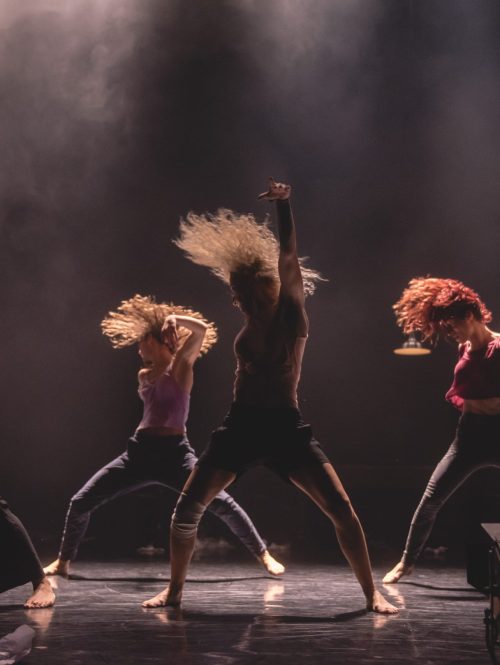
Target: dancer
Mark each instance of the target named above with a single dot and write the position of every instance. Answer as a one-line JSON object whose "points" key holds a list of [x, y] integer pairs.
{"points": [[435, 308], [268, 284], [170, 339], [19, 562]]}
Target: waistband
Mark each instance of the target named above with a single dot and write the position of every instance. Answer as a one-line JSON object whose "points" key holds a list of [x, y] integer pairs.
{"points": [[146, 438], [253, 416], [240, 407]]}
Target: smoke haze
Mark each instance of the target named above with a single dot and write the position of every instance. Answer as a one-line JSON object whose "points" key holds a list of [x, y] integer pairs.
{"points": [[119, 116]]}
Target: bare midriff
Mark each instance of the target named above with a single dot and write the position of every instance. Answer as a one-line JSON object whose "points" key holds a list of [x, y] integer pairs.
{"points": [[162, 431], [489, 406]]}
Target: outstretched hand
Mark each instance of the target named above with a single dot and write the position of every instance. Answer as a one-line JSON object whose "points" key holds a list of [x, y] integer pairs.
{"points": [[278, 191]]}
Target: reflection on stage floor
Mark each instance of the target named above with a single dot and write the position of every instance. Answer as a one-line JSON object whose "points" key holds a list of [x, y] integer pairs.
{"points": [[234, 614]]}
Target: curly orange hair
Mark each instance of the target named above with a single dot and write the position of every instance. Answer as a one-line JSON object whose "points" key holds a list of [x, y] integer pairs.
{"points": [[429, 300]]}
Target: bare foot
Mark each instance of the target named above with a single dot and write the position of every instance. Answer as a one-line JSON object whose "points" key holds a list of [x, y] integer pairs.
{"points": [[163, 599], [57, 567], [43, 596], [380, 605], [272, 566], [397, 573]]}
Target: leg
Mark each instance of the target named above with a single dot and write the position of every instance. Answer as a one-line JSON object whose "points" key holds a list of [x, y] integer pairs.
{"points": [[20, 562], [323, 486], [113, 480], [202, 486], [153, 508], [230, 512], [454, 468]]}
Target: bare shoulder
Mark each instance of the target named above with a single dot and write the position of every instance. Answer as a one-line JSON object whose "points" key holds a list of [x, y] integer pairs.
{"points": [[143, 374]]}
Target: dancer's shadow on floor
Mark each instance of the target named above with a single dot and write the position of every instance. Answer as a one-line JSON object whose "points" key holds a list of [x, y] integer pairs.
{"points": [[456, 590], [10, 608], [434, 587], [463, 599], [179, 614], [162, 580]]}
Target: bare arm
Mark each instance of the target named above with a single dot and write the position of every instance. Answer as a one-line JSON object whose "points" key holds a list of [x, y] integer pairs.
{"points": [[185, 357], [292, 287], [288, 263]]}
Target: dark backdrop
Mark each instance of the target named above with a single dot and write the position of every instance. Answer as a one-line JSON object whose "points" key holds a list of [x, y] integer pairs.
{"points": [[119, 116]]}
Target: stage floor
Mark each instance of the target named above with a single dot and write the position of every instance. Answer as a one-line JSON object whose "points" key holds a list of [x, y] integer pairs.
{"points": [[234, 614]]}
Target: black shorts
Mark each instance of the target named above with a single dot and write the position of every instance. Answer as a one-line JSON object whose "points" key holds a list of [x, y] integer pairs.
{"points": [[275, 437]]}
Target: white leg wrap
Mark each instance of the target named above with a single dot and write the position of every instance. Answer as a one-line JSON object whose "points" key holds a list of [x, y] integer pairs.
{"points": [[186, 517]]}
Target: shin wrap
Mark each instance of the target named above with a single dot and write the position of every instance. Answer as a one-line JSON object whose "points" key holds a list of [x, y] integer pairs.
{"points": [[186, 517]]}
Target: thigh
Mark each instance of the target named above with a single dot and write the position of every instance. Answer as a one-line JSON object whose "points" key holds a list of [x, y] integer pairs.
{"points": [[174, 470], [205, 482], [113, 480], [322, 484], [294, 448], [450, 472], [230, 449]]}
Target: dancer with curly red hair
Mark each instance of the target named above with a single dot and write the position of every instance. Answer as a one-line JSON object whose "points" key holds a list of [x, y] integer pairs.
{"points": [[446, 308]]}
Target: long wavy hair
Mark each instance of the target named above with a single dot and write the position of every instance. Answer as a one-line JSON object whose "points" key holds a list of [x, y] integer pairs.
{"points": [[142, 315], [427, 301], [228, 243]]}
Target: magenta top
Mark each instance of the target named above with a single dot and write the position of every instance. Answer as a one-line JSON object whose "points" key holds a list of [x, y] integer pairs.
{"points": [[165, 403], [477, 374]]}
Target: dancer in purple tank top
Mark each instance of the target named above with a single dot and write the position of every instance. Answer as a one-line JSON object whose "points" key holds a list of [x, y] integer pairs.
{"points": [[170, 339]]}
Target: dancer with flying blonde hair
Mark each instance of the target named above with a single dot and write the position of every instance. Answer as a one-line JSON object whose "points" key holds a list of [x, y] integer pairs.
{"points": [[170, 338], [268, 283], [435, 308]]}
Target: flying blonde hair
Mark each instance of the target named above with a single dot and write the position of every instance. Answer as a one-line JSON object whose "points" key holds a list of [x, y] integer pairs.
{"points": [[142, 315], [227, 242]]}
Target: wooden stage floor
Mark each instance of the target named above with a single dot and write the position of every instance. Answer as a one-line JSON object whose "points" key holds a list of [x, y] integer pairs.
{"points": [[234, 615]]}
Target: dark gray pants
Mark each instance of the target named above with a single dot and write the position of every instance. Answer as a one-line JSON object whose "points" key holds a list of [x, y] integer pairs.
{"points": [[476, 446], [149, 460], [19, 562]]}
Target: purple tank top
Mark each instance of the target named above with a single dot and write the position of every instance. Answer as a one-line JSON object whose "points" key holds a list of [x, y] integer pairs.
{"points": [[165, 403]]}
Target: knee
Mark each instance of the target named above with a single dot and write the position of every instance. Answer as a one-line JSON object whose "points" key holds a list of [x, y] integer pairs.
{"points": [[429, 506], [80, 504], [340, 510], [186, 517]]}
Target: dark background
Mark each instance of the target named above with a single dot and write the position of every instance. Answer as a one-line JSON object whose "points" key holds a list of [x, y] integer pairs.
{"points": [[119, 116]]}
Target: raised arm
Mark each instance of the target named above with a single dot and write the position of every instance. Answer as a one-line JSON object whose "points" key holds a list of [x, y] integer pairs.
{"points": [[288, 264], [186, 355]]}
